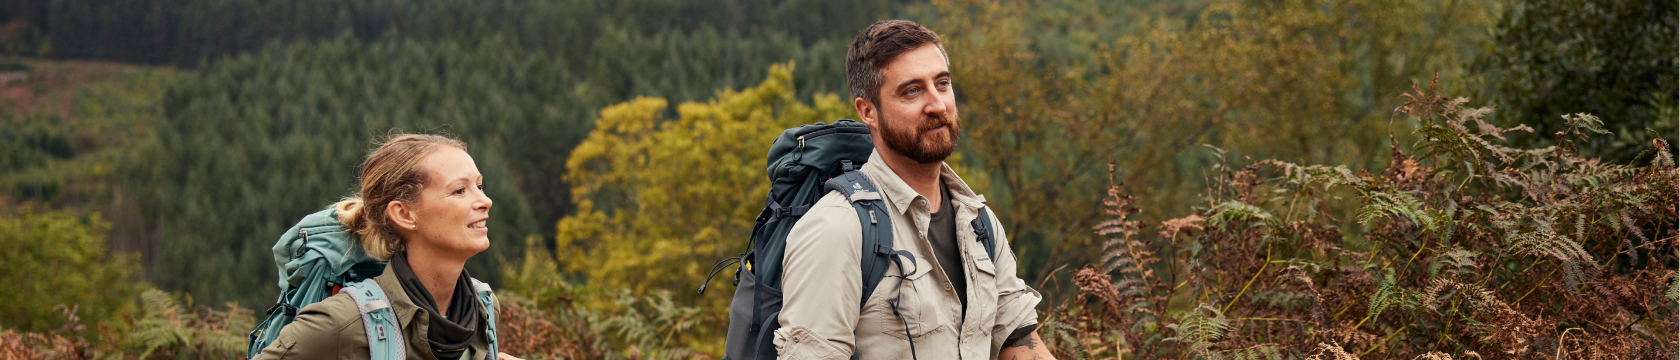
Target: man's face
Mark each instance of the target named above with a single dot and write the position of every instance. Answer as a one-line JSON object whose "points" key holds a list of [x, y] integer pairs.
{"points": [[917, 115]]}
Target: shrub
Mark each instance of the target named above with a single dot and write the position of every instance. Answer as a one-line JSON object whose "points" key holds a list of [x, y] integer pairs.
{"points": [[1462, 246], [59, 273]]}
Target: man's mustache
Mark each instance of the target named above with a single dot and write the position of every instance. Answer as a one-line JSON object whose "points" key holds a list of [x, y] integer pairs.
{"points": [[937, 121]]}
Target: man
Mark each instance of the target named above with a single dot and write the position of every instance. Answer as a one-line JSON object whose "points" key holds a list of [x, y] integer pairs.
{"points": [[953, 301]]}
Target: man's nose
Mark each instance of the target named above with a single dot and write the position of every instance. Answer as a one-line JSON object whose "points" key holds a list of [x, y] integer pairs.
{"points": [[936, 105]]}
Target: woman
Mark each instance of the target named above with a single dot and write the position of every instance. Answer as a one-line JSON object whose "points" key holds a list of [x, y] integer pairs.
{"points": [[422, 207]]}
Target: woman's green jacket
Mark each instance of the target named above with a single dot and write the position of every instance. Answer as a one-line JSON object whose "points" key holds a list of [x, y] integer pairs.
{"points": [[332, 329]]}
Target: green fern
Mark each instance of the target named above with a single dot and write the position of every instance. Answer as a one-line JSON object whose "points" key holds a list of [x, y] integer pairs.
{"points": [[1578, 265], [1388, 295], [1230, 212], [1397, 204], [169, 328], [1198, 329]]}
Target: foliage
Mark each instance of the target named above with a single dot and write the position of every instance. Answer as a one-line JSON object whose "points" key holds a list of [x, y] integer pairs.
{"points": [[59, 273], [541, 318], [65, 127], [680, 50], [293, 124], [520, 79], [41, 346], [1051, 89], [171, 330], [1615, 59], [1469, 248], [661, 198]]}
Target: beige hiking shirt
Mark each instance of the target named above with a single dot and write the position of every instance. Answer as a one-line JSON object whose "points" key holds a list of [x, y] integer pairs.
{"points": [[821, 280]]}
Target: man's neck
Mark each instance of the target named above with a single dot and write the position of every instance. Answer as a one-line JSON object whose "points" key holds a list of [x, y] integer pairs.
{"points": [[438, 273], [923, 178]]}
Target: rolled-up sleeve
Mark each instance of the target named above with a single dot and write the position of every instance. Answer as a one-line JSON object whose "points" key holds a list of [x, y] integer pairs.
{"points": [[1017, 303], [821, 283]]}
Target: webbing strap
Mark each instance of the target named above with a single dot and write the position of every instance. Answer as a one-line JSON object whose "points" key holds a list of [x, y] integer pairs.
{"points": [[372, 306], [484, 298], [778, 212], [385, 340]]}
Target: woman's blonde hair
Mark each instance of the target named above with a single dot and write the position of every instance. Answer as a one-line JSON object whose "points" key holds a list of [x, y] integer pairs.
{"points": [[391, 173]]}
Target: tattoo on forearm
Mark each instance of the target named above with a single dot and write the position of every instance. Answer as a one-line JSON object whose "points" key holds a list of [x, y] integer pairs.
{"points": [[1029, 344]]}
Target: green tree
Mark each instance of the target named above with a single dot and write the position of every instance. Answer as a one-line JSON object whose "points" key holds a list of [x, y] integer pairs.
{"points": [[661, 199], [60, 276], [248, 146], [1611, 58]]}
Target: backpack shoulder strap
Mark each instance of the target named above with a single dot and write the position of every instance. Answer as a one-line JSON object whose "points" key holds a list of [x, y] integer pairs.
{"points": [[484, 298], [983, 232], [385, 339], [877, 225]]}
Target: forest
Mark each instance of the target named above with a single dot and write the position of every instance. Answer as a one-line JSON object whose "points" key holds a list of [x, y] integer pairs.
{"points": [[1209, 179]]}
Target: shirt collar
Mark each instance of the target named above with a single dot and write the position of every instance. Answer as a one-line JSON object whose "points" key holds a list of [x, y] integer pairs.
{"points": [[900, 193]]}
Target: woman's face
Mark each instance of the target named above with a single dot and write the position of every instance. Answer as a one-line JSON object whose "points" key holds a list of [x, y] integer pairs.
{"points": [[453, 210]]}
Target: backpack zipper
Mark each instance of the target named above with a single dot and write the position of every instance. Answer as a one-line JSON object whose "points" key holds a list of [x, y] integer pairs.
{"points": [[841, 129]]}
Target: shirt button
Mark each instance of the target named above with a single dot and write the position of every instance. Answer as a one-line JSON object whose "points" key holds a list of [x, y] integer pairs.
{"points": [[947, 286]]}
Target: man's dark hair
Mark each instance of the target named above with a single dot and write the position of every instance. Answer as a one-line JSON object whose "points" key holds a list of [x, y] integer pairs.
{"points": [[877, 45]]}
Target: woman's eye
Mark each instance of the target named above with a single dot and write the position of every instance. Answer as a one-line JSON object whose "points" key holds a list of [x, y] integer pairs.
{"points": [[480, 187], [459, 191]]}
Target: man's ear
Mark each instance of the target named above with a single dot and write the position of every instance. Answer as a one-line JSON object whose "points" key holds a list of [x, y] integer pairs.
{"points": [[401, 216], [866, 112]]}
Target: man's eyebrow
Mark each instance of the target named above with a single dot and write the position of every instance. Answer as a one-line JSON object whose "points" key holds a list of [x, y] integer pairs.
{"points": [[906, 83]]}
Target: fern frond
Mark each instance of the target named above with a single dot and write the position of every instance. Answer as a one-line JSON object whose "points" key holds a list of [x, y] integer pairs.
{"points": [[1236, 212], [1578, 266], [1198, 329], [1387, 295], [1397, 204], [1331, 351]]}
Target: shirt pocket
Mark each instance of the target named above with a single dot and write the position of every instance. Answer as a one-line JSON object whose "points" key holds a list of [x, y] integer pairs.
{"points": [[983, 296], [915, 294]]}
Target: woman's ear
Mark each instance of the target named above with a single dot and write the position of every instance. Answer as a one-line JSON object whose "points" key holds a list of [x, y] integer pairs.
{"points": [[401, 216]]}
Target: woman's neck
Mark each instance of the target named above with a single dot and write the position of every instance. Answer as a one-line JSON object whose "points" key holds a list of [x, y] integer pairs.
{"points": [[439, 273]]}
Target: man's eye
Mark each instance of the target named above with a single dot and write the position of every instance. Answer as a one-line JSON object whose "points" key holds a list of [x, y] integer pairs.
{"points": [[944, 84]]}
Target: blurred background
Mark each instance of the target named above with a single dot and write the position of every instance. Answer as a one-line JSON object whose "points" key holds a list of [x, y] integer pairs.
{"points": [[151, 151]]}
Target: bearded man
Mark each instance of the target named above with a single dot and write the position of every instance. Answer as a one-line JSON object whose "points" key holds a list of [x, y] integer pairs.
{"points": [[953, 301]]}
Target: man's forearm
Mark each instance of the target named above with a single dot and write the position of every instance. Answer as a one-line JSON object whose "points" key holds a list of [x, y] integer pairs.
{"points": [[1029, 348]]}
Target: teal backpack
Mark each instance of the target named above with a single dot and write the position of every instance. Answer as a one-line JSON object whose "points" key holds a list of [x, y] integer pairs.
{"points": [[804, 164], [318, 259]]}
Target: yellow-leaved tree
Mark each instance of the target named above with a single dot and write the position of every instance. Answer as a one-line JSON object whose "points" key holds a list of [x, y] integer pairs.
{"points": [[660, 200]]}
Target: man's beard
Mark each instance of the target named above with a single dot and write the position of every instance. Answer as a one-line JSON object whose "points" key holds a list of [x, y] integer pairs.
{"points": [[908, 142]]}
